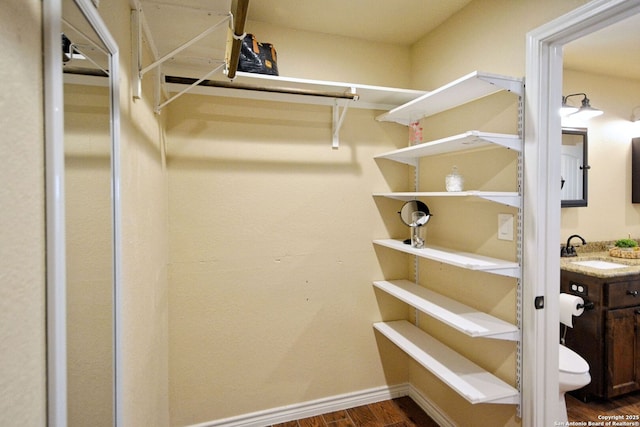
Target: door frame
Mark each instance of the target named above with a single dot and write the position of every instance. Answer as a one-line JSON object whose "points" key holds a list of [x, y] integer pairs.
{"points": [[541, 192]]}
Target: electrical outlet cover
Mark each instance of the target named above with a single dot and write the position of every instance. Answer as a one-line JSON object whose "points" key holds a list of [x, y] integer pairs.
{"points": [[505, 227]]}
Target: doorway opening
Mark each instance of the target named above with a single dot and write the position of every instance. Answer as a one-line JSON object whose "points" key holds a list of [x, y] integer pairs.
{"points": [[541, 262]]}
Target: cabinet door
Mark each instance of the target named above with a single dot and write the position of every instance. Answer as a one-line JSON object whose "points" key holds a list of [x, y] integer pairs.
{"points": [[623, 350], [623, 294]]}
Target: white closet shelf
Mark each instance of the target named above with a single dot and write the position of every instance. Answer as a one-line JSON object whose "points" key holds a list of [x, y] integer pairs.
{"points": [[465, 141], [465, 319], [369, 97], [466, 89], [469, 380], [506, 198], [464, 260]]}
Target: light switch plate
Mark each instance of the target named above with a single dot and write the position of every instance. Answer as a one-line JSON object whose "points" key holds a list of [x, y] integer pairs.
{"points": [[505, 227]]}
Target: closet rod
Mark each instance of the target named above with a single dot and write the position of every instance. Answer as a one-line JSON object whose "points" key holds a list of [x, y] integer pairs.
{"points": [[289, 91], [85, 71], [240, 9]]}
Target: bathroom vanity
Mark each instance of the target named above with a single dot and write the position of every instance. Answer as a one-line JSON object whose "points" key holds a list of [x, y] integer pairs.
{"points": [[606, 335]]}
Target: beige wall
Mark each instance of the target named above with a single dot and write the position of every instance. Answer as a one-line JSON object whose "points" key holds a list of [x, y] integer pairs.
{"points": [[487, 35], [143, 195], [328, 57], [260, 318], [22, 251], [271, 272], [610, 215], [306, 277]]}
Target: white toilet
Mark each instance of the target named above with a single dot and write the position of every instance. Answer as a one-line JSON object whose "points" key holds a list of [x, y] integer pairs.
{"points": [[574, 374]]}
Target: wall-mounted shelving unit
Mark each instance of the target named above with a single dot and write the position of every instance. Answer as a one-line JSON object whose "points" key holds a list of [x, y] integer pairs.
{"points": [[462, 375]]}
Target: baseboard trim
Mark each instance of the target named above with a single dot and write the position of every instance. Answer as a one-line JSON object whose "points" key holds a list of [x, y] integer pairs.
{"points": [[332, 404], [430, 408]]}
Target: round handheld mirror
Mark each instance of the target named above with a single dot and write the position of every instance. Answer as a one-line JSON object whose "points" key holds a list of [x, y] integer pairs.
{"points": [[414, 206]]}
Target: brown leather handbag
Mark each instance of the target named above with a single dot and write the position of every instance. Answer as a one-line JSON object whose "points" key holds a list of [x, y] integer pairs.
{"points": [[256, 57]]}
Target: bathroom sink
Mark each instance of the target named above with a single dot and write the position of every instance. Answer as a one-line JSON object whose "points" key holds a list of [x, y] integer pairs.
{"points": [[602, 265]]}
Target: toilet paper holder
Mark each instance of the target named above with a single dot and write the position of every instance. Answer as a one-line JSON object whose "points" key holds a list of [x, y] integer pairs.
{"points": [[588, 305]]}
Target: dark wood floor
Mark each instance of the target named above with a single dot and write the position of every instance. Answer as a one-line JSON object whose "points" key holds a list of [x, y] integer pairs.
{"points": [[400, 412], [404, 412], [627, 405]]}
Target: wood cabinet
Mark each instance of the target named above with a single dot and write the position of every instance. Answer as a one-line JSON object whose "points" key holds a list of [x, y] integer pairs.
{"points": [[607, 336]]}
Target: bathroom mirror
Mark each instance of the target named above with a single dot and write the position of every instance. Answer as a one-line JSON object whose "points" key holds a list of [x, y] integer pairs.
{"points": [[413, 206], [574, 167], [82, 226]]}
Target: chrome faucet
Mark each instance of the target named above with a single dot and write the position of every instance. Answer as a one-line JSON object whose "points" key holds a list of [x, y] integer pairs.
{"points": [[568, 250]]}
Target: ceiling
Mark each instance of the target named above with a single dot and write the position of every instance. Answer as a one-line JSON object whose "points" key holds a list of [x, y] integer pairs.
{"points": [[399, 21], [612, 51]]}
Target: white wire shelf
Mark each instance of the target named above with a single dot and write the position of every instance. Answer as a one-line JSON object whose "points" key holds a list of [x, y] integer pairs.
{"points": [[368, 97], [459, 92], [463, 318], [469, 380], [469, 140], [464, 260], [507, 198]]}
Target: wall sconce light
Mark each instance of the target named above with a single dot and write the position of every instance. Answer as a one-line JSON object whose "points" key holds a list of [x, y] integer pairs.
{"points": [[585, 112], [635, 114]]}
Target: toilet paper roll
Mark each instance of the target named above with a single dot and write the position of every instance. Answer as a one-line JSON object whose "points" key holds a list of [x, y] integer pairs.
{"points": [[569, 308]]}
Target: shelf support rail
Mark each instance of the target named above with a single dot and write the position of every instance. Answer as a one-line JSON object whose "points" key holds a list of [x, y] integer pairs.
{"points": [[519, 249], [338, 119]]}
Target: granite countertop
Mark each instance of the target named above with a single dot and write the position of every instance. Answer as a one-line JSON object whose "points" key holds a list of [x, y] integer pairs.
{"points": [[599, 251]]}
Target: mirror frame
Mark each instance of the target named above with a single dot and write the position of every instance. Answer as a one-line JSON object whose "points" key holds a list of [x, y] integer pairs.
{"points": [[55, 211], [580, 202], [412, 206]]}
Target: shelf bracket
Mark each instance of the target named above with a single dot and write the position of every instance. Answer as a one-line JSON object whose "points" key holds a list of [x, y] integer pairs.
{"points": [[512, 201], [510, 143], [160, 106], [510, 85], [338, 119], [138, 24], [184, 46]]}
